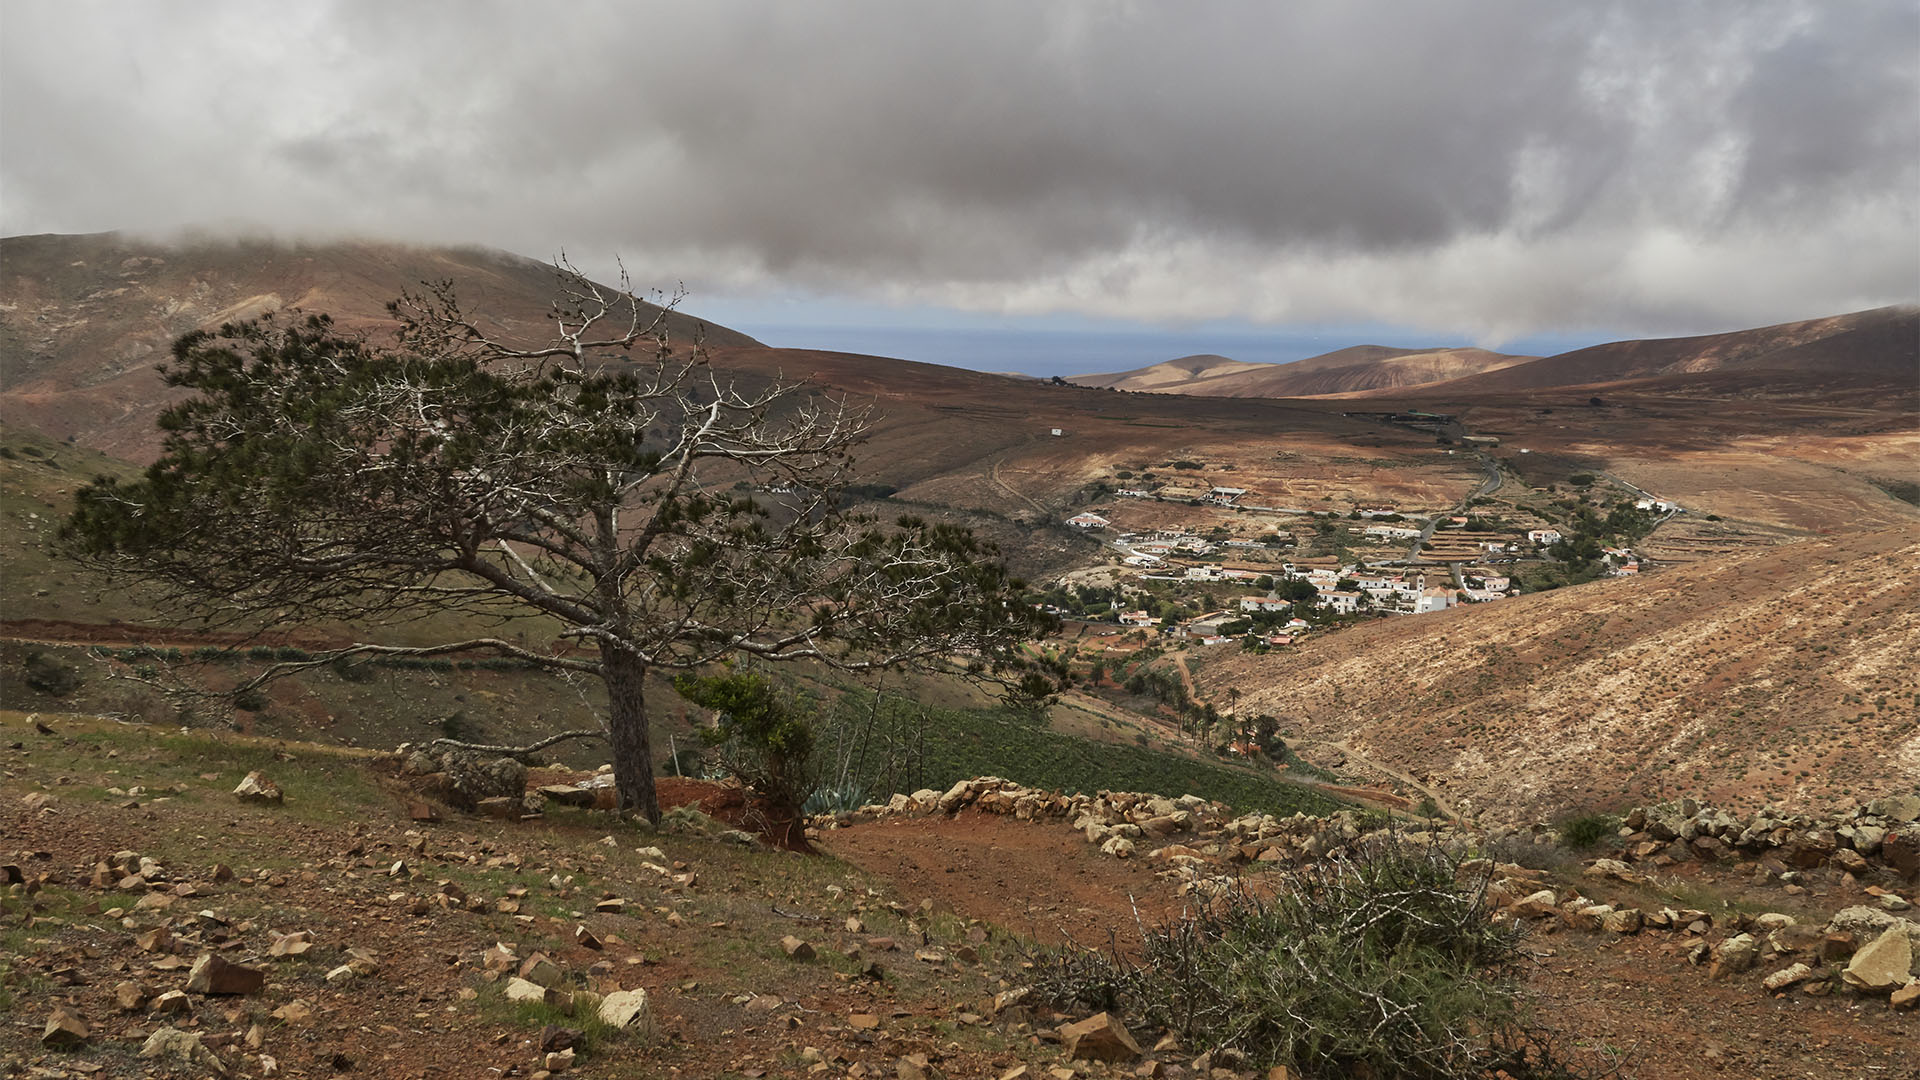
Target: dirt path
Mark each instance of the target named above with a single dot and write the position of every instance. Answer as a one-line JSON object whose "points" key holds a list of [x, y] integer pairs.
{"points": [[993, 477]]}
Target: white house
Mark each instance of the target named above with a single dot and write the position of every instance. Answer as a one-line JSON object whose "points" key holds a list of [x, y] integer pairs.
{"points": [[1087, 521], [1206, 572], [1135, 618], [1056, 432], [1391, 532], [1263, 603], [1433, 600], [1344, 603], [1544, 537], [1225, 496], [1132, 493]]}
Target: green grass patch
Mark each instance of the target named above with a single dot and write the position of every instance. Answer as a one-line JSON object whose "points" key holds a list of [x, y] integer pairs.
{"points": [[904, 746]]}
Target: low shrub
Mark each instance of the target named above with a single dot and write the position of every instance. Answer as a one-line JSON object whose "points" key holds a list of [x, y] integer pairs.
{"points": [[1383, 965], [1583, 831]]}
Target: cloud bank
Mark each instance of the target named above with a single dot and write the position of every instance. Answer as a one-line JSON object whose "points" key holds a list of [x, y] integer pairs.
{"points": [[1490, 169]]}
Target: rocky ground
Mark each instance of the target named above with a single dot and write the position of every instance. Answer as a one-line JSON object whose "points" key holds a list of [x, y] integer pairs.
{"points": [[348, 928]]}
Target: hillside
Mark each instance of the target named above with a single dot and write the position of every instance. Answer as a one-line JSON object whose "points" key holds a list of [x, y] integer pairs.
{"points": [[84, 319], [1881, 346], [367, 929], [1783, 678], [1350, 370]]}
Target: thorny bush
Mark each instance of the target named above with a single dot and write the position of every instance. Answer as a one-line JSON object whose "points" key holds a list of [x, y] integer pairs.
{"points": [[1385, 963]]}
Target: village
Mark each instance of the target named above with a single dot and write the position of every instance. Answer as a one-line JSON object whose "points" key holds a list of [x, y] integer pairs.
{"points": [[1232, 569]]}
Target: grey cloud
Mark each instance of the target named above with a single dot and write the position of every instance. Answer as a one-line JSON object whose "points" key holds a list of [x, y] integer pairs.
{"points": [[1494, 168]]}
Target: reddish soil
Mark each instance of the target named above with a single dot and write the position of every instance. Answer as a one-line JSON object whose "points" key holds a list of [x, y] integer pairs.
{"points": [[1634, 996], [1044, 881]]}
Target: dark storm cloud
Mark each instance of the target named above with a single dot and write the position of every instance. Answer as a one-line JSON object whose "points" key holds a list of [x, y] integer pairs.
{"points": [[1489, 168]]}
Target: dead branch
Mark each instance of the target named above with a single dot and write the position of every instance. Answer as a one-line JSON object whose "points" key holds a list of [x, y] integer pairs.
{"points": [[521, 753]]}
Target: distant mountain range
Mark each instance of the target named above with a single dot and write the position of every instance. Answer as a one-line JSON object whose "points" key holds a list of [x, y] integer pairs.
{"points": [[1866, 347]]}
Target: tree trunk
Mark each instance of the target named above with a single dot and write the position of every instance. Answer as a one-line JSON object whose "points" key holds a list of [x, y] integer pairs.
{"points": [[627, 731]]}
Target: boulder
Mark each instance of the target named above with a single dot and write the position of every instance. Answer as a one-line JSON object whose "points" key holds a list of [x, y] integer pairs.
{"points": [[1907, 996], [519, 989], [1896, 807], [540, 970], [1786, 977], [171, 1042], [471, 779], [1543, 902], [1623, 921], [1100, 1037], [64, 1031], [628, 1009], [213, 974], [1884, 965], [1736, 954], [795, 948], [568, 795], [256, 788], [1901, 850]]}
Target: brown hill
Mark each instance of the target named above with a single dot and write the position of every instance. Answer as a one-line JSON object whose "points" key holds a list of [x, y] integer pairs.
{"points": [[1343, 371], [84, 319], [1881, 346], [1170, 377], [1781, 677]]}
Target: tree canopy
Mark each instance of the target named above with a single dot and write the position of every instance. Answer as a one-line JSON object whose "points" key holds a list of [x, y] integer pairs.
{"points": [[667, 516]]}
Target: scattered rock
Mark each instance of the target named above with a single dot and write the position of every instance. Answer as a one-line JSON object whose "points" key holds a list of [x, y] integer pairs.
{"points": [[1623, 921], [213, 974], [1100, 1037], [1885, 964], [173, 1043], [294, 944], [568, 795], [1736, 954], [519, 989], [256, 788], [1786, 977], [129, 996], [1907, 996], [540, 970], [795, 948], [64, 1031], [628, 1009]]}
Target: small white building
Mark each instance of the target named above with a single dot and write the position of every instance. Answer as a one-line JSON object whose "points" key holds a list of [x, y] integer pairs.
{"points": [[1056, 432], [1225, 496], [1263, 603], [1206, 572], [1544, 537], [1088, 521], [1135, 618], [1344, 603], [1433, 600]]}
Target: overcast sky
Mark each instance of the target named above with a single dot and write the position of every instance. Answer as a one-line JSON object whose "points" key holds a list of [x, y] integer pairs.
{"points": [[1483, 171]]}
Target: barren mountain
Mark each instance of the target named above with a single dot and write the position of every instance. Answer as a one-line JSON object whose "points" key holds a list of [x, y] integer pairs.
{"points": [[1356, 368], [1881, 346], [1784, 677]]}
